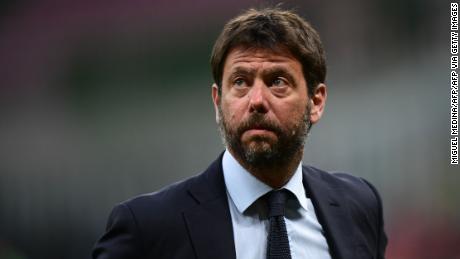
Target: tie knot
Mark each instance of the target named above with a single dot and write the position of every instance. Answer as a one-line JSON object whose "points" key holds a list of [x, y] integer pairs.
{"points": [[276, 202]]}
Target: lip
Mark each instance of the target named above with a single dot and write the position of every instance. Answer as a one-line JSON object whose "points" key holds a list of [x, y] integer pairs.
{"points": [[258, 131]]}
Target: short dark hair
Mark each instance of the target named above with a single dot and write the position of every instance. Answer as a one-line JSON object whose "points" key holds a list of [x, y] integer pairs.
{"points": [[276, 29]]}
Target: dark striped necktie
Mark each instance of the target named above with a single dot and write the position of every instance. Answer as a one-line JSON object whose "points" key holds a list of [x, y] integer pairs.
{"points": [[278, 242]]}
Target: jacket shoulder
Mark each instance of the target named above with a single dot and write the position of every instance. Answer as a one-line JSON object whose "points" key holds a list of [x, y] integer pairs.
{"points": [[165, 202], [147, 223], [352, 186]]}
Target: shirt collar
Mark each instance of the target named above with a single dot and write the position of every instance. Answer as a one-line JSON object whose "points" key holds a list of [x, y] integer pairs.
{"points": [[245, 189]]}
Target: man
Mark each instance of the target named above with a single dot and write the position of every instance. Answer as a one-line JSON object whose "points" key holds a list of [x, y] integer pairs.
{"points": [[257, 200]]}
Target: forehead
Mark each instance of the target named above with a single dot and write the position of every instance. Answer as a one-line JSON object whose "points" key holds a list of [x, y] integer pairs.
{"points": [[256, 58]]}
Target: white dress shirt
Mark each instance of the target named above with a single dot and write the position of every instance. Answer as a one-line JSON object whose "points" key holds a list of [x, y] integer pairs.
{"points": [[249, 215]]}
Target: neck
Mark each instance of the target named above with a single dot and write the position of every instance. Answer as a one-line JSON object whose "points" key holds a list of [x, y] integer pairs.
{"points": [[276, 175]]}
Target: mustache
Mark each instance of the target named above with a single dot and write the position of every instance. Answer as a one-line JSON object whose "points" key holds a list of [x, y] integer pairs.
{"points": [[259, 121]]}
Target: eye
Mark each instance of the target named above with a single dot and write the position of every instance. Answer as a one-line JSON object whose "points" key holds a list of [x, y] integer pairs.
{"points": [[240, 82], [279, 82]]}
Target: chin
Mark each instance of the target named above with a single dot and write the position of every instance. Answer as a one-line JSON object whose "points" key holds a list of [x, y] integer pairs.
{"points": [[260, 146], [259, 150]]}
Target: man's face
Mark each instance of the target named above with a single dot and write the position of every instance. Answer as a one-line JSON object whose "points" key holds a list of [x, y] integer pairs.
{"points": [[263, 110]]}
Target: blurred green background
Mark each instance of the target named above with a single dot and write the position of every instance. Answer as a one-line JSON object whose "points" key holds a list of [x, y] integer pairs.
{"points": [[101, 101]]}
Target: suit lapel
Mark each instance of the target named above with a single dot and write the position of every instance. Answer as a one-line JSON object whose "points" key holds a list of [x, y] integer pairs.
{"points": [[209, 223], [330, 207]]}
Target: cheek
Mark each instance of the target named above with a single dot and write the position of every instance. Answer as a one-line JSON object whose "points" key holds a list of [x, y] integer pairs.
{"points": [[233, 110], [291, 113]]}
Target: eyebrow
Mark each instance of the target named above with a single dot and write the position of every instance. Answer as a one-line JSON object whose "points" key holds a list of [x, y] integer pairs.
{"points": [[280, 70], [268, 72], [242, 71]]}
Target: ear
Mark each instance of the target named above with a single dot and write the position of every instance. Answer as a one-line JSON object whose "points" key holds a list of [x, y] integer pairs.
{"points": [[216, 100], [318, 103]]}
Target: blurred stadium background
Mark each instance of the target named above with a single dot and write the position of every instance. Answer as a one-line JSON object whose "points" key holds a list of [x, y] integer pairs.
{"points": [[101, 101]]}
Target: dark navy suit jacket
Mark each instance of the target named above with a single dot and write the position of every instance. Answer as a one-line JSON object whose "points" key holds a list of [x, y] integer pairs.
{"points": [[191, 219]]}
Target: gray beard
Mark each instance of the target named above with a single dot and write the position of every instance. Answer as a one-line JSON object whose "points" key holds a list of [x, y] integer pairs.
{"points": [[277, 155]]}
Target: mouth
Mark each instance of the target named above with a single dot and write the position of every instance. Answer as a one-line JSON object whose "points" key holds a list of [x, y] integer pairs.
{"points": [[259, 131], [259, 127]]}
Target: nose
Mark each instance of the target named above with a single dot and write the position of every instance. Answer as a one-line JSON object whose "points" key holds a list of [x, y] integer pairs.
{"points": [[257, 98]]}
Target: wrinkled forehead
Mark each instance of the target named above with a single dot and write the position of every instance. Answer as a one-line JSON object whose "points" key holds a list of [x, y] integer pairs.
{"points": [[278, 50], [244, 55]]}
